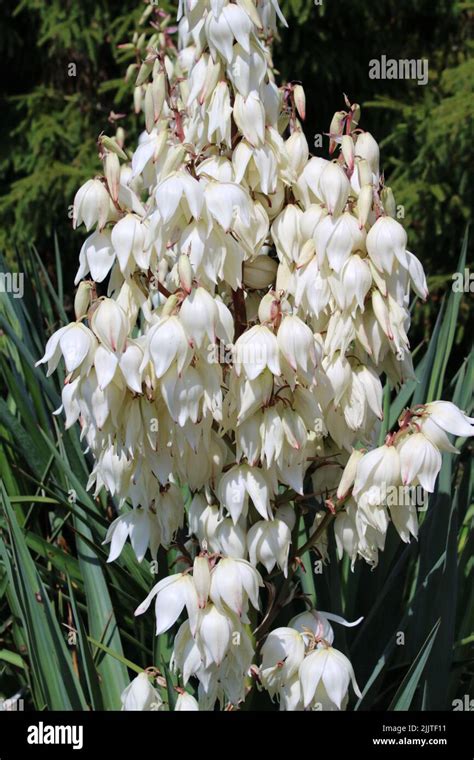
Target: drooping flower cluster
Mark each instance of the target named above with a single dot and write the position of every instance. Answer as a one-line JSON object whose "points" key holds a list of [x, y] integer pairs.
{"points": [[300, 665], [255, 296], [213, 643], [385, 483]]}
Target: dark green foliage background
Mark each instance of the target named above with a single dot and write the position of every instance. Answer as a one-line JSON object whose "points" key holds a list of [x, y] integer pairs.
{"points": [[51, 120]]}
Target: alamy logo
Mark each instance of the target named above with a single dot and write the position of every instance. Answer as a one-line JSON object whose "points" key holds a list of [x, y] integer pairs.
{"points": [[463, 282], [466, 704], [404, 68], [45, 734], [12, 705], [12, 282]]}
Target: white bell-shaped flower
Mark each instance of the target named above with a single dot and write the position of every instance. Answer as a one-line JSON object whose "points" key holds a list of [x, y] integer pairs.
{"points": [[76, 343], [140, 695], [96, 256], [334, 188], [111, 325], [249, 116], [171, 595], [91, 205], [296, 343], [282, 654], [234, 582], [168, 343], [269, 543], [238, 484], [386, 243], [185, 702], [450, 418], [179, 191], [332, 669], [420, 461], [377, 470]]}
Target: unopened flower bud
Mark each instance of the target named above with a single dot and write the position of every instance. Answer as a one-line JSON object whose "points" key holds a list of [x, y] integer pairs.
{"points": [[120, 139], [269, 308], [364, 171], [112, 174], [364, 204], [145, 15], [355, 115], [308, 251], [170, 305], [336, 128], [298, 151], [144, 71], [300, 100], [158, 90], [114, 145], [252, 13], [213, 74], [347, 148], [185, 272], [388, 201], [149, 109], [349, 474], [140, 41], [366, 147], [130, 71], [202, 580], [137, 99], [260, 272], [82, 299], [381, 313]]}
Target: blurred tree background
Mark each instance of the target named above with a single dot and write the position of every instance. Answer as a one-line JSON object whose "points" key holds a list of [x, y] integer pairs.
{"points": [[67, 76], [51, 120]]}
